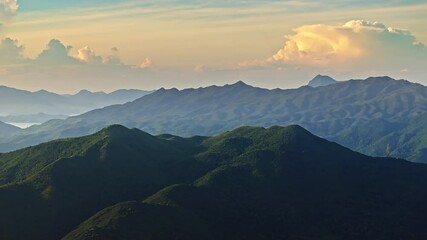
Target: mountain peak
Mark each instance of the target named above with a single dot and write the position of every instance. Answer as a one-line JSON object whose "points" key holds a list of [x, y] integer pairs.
{"points": [[116, 127], [381, 78], [115, 130], [321, 81], [83, 92], [43, 92], [120, 133], [240, 84]]}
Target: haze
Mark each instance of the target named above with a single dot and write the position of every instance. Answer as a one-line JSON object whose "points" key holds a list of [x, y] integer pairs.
{"points": [[65, 46]]}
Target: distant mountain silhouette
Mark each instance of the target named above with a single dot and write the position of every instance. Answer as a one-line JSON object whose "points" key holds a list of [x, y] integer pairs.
{"points": [[337, 112], [248, 183], [31, 118], [7, 129], [321, 81], [21, 102]]}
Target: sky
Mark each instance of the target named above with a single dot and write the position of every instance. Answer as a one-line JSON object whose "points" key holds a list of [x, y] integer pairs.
{"points": [[65, 46]]}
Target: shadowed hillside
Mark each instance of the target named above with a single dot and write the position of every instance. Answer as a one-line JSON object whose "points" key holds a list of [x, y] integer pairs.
{"points": [[249, 183]]}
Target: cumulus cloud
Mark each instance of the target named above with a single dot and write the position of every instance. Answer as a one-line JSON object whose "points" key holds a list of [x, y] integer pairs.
{"points": [[60, 65], [353, 41], [88, 55], [8, 9], [11, 52], [146, 64], [56, 53], [114, 58]]}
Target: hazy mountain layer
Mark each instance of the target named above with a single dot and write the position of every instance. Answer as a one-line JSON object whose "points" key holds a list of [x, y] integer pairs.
{"points": [[331, 112], [31, 118], [249, 183], [21, 102], [7, 129]]}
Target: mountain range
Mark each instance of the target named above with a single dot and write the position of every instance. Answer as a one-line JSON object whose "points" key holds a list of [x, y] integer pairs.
{"points": [[21, 102], [248, 183], [365, 115], [31, 118], [7, 129]]}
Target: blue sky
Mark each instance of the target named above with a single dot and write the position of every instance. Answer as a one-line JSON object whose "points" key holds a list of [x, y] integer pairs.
{"points": [[30, 5], [46, 5]]}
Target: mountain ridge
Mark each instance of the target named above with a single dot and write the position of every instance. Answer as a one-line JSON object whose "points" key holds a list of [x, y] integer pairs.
{"points": [[7, 129], [23, 102], [327, 111], [67, 181]]}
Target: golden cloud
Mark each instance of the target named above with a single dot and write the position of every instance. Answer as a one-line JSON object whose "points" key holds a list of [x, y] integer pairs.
{"points": [[325, 44]]}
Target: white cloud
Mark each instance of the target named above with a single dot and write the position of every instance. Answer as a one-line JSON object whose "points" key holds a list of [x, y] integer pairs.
{"points": [[114, 58], [11, 52], [59, 66], [146, 64], [8, 9], [88, 55], [355, 49], [349, 43], [56, 53]]}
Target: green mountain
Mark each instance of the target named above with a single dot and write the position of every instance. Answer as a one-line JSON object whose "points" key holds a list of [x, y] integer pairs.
{"points": [[50, 188], [249, 183], [406, 138], [330, 111]]}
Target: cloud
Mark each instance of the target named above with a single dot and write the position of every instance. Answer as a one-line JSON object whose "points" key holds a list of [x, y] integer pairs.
{"points": [[56, 53], [11, 52], [59, 66], [199, 68], [355, 40], [146, 64], [355, 49], [114, 58], [8, 9], [88, 55]]}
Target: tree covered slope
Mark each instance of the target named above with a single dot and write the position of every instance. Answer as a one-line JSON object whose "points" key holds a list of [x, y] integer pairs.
{"points": [[248, 183]]}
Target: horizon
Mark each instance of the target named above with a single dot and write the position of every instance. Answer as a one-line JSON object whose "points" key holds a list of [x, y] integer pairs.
{"points": [[198, 87], [65, 46]]}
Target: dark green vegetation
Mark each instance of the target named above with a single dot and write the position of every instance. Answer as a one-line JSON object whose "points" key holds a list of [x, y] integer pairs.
{"points": [[21, 102], [365, 115], [249, 183]]}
